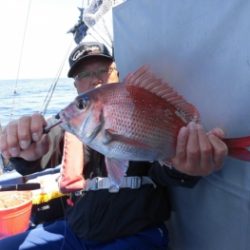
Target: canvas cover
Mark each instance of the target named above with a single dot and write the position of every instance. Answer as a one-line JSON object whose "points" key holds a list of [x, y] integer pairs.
{"points": [[202, 48]]}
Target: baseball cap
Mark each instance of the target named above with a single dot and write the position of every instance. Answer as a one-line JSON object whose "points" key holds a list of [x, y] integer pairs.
{"points": [[85, 50]]}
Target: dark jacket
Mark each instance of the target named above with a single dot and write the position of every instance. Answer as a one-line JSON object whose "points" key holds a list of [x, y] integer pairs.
{"points": [[103, 216]]}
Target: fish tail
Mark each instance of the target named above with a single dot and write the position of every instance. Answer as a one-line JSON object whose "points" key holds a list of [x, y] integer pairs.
{"points": [[238, 148]]}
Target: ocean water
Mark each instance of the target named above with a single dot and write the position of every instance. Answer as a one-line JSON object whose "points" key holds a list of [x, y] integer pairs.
{"points": [[28, 96]]}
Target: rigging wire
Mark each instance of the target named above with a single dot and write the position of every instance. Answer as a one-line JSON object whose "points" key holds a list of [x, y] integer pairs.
{"points": [[54, 84], [52, 88], [20, 60]]}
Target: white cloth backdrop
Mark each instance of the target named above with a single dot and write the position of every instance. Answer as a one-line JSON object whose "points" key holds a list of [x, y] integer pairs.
{"points": [[202, 48]]}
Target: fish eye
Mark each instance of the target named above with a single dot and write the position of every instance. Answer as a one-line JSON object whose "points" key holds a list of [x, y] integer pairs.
{"points": [[81, 104], [82, 101]]}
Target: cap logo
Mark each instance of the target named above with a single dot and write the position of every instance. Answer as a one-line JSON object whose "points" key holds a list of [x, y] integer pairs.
{"points": [[91, 50], [77, 54]]}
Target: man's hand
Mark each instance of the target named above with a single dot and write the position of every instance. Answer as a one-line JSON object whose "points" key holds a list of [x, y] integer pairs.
{"points": [[198, 152], [24, 138]]}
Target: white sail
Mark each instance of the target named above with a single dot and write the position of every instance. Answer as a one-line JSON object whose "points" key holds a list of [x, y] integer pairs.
{"points": [[202, 49]]}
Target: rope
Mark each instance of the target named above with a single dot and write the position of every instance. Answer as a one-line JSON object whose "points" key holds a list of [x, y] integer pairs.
{"points": [[20, 59]]}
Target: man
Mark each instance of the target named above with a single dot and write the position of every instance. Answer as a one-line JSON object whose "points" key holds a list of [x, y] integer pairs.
{"points": [[132, 218]]}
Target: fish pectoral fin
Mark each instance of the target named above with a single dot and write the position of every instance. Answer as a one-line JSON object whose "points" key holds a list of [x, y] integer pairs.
{"points": [[111, 135], [99, 123], [91, 135], [116, 170]]}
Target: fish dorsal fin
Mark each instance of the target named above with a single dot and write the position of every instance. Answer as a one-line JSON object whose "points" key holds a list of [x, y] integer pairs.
{"points": [[145, 79]]}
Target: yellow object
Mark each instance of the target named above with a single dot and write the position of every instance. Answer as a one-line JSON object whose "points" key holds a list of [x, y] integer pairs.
{"points": [[49, 189], [45, 197]]}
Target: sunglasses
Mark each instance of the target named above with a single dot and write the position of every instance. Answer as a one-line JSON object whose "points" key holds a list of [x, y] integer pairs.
{"points": [[100, 73]]}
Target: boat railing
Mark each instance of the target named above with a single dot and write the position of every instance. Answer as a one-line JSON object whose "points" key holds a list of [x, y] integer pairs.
{"points": [[14, 177]]}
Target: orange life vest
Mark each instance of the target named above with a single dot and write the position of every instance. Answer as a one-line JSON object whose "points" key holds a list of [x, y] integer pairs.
{"points": [[71, 178]]}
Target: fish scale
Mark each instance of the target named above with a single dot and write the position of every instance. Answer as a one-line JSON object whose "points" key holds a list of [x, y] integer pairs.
{"points": [[140, 123]]}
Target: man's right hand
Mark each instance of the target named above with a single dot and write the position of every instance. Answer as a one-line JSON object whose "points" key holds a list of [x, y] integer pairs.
{"points": [[24, 138]]}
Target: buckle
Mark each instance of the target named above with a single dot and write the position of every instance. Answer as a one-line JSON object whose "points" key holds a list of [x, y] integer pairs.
{"points": [[99, 183], [133, 182], [94, 184], [103, 183], [114, 188], [136, 182]]}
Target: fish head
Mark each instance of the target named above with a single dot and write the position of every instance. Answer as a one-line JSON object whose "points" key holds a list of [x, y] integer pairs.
{"points": [[83, 117]]}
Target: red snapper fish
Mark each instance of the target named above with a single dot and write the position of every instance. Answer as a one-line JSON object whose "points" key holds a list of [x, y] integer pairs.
{"points": [[136, 120]]}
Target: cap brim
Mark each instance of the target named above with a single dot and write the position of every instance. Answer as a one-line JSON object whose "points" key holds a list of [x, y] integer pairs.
{"points": [[73, 66]]}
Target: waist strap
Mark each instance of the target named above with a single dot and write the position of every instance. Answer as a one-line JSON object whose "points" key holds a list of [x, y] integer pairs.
{"points": [[133, 182]]}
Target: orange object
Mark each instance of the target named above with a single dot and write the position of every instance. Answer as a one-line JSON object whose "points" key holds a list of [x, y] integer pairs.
{"points": [[15, 211], [71, 178]]}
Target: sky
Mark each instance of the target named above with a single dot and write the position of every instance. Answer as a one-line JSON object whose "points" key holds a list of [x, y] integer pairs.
{"points": [[46, 43]]}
